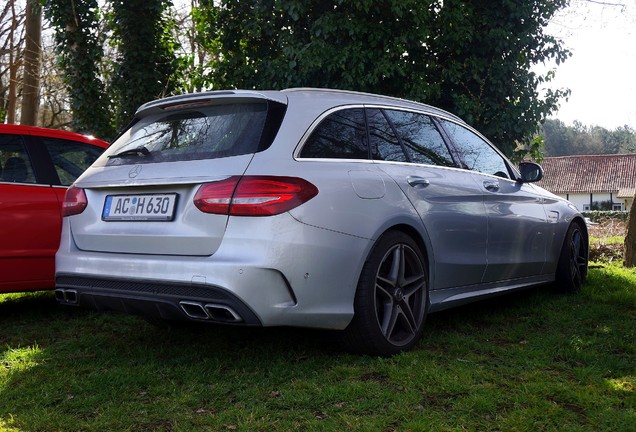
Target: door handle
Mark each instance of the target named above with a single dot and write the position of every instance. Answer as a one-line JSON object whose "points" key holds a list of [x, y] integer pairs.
{"points": [[491, 185], [417, 182]]}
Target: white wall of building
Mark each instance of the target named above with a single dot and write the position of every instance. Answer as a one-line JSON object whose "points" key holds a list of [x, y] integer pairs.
{"points": [[582, 201]]}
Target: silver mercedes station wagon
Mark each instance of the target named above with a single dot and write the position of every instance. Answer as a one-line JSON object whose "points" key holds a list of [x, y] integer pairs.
{"points": [[309, 207]]}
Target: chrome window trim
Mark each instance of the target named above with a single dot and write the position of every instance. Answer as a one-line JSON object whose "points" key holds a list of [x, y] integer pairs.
{"points": [[330, 111]]}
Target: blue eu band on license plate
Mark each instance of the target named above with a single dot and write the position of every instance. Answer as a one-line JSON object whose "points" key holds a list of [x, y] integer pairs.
{"points": [[147, 207]]}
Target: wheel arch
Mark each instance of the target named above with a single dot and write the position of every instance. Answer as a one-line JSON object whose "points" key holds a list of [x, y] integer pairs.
{"points": [[572, 264], [582, 224], [580, 221], [419, 235]]}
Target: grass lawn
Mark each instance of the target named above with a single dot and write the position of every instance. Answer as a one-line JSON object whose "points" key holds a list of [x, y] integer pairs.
{"points": [[532, 361]]}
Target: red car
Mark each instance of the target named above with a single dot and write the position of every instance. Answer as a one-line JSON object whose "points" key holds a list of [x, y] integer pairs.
{"points": [[36, 167]]}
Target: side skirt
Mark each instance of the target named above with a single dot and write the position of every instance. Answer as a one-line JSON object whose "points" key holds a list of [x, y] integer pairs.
{"points": [[451, 297]]}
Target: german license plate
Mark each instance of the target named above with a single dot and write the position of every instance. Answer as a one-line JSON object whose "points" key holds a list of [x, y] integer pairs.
{"points": [[147, 207]]}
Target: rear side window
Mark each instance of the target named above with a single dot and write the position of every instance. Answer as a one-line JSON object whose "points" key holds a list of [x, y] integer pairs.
{"points": [[341, 135], [204, 133], [70, 158], [15, 164]]}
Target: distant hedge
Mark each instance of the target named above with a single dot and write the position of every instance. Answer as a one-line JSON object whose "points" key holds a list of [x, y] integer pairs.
{"points": [[600, 215]]}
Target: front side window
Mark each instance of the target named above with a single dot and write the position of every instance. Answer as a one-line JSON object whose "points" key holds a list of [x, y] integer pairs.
{"points": [[15, 164], [476, 153], [193, 134], [341, 135], [70, 158]]}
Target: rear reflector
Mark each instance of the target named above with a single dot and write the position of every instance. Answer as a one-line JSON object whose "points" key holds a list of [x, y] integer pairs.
{"points": [[254, 195], [74, 201]]}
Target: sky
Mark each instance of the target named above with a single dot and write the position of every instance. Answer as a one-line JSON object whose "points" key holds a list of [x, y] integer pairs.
{"points": [[601, 73]]}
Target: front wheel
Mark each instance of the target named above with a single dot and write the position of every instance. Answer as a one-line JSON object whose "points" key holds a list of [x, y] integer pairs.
{"points": [[572, 268], [391, 298]]}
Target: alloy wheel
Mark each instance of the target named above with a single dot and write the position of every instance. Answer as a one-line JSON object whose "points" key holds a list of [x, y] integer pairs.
{"points": [[400, 294]]}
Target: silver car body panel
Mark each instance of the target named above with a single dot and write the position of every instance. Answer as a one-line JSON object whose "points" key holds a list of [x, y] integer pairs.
{"points": [[454, 216], [191, 233], [301, 267]]}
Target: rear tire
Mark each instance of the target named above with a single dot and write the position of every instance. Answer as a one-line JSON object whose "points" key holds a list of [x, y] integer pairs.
{"points": [[391, 299], [572, 268]]}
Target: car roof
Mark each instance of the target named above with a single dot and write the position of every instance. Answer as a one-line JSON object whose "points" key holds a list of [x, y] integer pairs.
{"points": [[328, 97], [342, 97], [52, 133]]}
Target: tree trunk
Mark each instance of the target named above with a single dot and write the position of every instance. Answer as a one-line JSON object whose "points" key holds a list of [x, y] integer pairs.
{"points": [[630, 237], [13, 67], [32, 62]]}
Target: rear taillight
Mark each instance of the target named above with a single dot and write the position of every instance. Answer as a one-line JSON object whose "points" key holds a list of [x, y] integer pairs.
{"points": [[254, 195], [74, 201]]}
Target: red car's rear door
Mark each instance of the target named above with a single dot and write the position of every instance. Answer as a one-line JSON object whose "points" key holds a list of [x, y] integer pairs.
{"points": [[30, 222]]}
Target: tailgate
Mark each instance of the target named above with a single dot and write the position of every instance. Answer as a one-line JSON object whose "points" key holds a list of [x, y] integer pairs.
{"points": [[153, 213]]}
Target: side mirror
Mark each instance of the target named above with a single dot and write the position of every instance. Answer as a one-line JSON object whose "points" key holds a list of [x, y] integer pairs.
{"points": [[530, 172]]}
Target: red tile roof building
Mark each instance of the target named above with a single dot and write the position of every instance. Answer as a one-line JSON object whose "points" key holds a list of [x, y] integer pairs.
{"points": [[586, 180]]}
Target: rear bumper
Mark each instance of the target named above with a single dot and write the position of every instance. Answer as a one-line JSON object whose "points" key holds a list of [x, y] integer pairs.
{"points": [[287, 274], [169, 301]]}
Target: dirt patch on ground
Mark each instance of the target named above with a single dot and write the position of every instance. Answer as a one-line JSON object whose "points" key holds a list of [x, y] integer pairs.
{"points": [[603, 246], [607, 228]]}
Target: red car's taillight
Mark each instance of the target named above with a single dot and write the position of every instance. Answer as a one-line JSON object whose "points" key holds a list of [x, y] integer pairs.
{"points": [[74, 201], [254, 195]]}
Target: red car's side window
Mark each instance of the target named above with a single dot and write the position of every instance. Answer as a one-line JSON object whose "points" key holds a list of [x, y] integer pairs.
{"points": [[70, 158], [15, 164]]}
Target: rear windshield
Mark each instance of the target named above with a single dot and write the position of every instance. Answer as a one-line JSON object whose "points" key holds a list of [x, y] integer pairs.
{"points": [[203, 133]]}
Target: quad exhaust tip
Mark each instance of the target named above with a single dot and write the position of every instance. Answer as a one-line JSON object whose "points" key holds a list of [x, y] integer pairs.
{"points": [[210, 311], [67, 296]]}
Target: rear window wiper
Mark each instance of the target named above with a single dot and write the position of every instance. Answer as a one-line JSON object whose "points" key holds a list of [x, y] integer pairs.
{"points": [[139, 151]]}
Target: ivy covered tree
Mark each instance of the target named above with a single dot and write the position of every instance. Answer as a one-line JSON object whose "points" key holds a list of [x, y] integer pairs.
{"points": [[80, 53], [105, 93], [146, 65], [470, 57]]}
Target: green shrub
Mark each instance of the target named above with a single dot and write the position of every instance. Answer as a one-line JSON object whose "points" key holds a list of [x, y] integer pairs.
{"points": [[602, 215]]}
